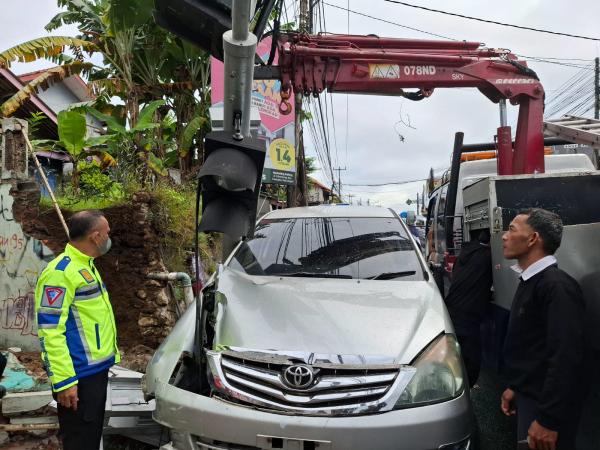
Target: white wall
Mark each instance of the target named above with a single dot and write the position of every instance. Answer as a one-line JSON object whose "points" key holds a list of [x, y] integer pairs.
{"points": [[58, 97], [22, 259]]}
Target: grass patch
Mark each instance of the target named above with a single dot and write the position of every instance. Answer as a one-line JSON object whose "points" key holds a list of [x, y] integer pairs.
{"points": [[79, 204], [173, 211]]}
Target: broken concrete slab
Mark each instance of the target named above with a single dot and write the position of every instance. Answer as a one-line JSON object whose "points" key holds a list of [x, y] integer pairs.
{"points": [[21, 402], [17, 378]]}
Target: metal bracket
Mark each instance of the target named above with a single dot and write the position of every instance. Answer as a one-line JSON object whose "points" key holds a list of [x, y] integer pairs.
{"points": [[497, 219], [237, 126]]}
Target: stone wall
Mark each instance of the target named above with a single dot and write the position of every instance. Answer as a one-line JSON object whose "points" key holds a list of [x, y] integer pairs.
{"points": [[142, 307]]}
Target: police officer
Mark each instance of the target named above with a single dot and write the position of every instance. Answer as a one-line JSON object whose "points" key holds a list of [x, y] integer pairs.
{"points": [[77, 331], [543, 349]]}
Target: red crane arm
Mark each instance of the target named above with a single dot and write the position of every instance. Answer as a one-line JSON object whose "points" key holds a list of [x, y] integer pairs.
{"points": [[371, 65]]}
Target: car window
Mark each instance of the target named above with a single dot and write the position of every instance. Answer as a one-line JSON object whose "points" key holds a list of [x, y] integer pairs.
{"points": [[359, 248]]}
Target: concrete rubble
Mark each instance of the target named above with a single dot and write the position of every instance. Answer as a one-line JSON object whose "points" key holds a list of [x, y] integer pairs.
{"points": [[29, 419]]}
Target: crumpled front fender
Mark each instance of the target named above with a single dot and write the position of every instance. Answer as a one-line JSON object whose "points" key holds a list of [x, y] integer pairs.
{"points": [[165, 359]]}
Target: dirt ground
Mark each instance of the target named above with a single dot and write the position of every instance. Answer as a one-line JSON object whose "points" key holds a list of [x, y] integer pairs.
{"points": [[33, 364], [27, 442], [133, 358]]}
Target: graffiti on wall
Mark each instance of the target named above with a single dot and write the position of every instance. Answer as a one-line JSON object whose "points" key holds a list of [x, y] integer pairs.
{"points": [[22, 258]]}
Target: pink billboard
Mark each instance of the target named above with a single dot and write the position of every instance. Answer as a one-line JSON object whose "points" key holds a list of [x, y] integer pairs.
{"points": [[265, 94]]}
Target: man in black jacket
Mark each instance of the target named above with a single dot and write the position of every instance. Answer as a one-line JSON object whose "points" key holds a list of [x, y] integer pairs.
{"points": [[543, 350], [468, 296]]}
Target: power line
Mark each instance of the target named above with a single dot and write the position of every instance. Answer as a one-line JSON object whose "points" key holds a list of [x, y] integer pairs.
{"points": [[558, 59], [388, 183], [478, 19], [389, 22], [577, 66]]}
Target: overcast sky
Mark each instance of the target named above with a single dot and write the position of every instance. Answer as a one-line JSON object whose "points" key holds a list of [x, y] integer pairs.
{"points": [[374, 152]]}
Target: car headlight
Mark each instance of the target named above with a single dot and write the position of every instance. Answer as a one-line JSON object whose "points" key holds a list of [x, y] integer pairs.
{"points": [[439, 376]]}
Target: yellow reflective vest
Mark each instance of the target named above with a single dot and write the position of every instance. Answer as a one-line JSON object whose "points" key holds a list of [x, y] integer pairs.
{"points": [[75, 320]]}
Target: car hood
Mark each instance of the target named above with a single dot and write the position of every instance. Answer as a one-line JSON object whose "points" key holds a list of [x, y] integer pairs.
{"points": [[386, 320]]}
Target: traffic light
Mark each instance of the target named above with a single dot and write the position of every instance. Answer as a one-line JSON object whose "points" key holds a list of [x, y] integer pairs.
{"points": [[230, 179], [202, 22]]}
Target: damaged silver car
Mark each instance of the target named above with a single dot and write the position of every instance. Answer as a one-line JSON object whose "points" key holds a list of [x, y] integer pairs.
{"points": [[325, 330]]}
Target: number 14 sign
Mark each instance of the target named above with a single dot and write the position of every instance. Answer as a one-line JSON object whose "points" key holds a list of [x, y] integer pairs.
{"points": [[281, 165]]}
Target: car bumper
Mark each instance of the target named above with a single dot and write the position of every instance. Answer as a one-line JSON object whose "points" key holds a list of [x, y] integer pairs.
{"points": [[198, 422]]}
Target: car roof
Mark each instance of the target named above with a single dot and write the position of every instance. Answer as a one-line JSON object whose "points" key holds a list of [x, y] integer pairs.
{"points": [[338, 210]]}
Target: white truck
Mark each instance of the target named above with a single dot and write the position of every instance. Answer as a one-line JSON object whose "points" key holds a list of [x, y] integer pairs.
{"points": [[484, 200]]}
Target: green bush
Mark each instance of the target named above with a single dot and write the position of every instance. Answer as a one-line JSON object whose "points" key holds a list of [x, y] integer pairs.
{"points": [[94, 182], [173, 212]]}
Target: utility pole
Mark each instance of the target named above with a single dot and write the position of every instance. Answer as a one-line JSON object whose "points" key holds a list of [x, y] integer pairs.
{"points": [[239, 47], [349, 198], [297, 195], [597, 88], [339, 170]]}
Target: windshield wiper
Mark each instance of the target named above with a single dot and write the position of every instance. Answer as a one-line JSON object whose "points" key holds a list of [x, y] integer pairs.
{"points": [[315, 275], [390, 275]]}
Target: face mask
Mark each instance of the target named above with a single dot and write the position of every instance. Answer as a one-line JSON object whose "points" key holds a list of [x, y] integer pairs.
{"points": [[105, 247]]}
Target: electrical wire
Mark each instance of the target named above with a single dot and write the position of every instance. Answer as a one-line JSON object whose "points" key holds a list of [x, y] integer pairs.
{"points": [[569, 81], [326, 137], [568, 96], [388, 183], [318, 133], [571, 91], [478, 19], [557, 63], [572, 96], [558, 59], [319, 142], [579, 89], [389, 22]]}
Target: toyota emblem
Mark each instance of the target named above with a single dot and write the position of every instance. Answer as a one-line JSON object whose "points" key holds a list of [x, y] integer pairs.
{"points": [[299, 376]]}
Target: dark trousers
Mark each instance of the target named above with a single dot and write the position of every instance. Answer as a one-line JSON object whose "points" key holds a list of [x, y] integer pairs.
{"points": [[527, 412], [470, 349], [82, 429]]}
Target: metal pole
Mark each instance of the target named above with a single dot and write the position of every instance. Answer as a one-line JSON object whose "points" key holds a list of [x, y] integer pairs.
{"points": [[597, 88], [239, 47], [300, 187], [339, 171], [503, 116]]}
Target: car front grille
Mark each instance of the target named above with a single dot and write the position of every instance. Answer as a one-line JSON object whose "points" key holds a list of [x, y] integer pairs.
{"points": [[334, 386]]}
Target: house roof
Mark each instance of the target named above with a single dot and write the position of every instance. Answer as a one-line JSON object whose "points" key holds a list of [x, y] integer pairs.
{"points": [[319, 184], [10, 84], [74, 83]]}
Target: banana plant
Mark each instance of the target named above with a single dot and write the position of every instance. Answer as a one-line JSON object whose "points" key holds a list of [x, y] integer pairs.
{"points": [[52, 48], [72, 132], [132, 137]]}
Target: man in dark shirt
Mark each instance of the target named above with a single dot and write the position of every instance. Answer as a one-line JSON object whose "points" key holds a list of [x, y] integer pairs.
{"points": [[543, 350], [469, 294]]}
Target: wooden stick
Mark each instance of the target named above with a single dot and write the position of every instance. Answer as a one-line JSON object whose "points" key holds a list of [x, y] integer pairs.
{"points": [[45, 180]]}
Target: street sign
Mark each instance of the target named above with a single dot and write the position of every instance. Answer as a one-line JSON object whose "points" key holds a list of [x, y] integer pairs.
{"points": [[280, 163]]}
